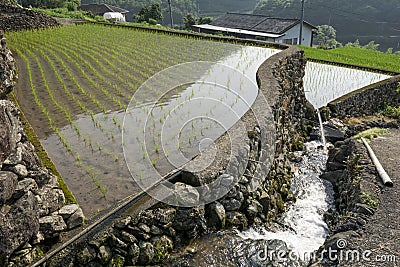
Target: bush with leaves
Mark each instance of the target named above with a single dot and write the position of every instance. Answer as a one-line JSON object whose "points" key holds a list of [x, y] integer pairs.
{"points": [[150, 14], [326, 37]]}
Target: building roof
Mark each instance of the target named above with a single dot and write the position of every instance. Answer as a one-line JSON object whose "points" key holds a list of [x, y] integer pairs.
{"points": [[100, 9], [257, 23], [237, 31]]}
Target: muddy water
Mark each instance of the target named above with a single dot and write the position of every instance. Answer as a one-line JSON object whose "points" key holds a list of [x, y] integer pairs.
{"points": [[97, 173]]}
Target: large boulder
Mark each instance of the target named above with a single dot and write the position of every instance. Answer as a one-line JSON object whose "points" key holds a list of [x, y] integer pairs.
{"points": [[18, 223]]}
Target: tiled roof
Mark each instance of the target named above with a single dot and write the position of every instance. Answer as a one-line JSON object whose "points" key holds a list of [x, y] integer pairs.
{"points": [[257, 23]]}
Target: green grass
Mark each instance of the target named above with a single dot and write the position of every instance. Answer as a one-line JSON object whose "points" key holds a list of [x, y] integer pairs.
{"points": [[356, 56], [393, 112], [371, 133]]}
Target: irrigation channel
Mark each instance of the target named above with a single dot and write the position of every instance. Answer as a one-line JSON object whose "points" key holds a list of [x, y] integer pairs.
{"points": [[190, 106]]}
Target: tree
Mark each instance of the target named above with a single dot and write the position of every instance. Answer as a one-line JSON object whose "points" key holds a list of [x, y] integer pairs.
{"points": [[189, 20], [150, 14], [205, 20], [326, 37]]}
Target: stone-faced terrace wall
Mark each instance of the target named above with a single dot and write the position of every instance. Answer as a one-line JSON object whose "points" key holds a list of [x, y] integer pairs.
{"points": [[14, 18], [368, 100], [33, 210]]}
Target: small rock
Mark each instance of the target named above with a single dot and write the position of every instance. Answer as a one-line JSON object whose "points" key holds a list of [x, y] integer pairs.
{"points": [[164, 216], [76, 219], [19, 170], [50, 200], [146, 254], [86, 255], [128, 238], [333, 176], [68, 210], [52, 225], [155, 230], [116, 242], [231, 204], [144, 228], [104, 254], [364, 209], [122, 223], [8, 185], [236, 219], [186, 194], [133, 253], [27, 184], [215, 213], [254, 208]]}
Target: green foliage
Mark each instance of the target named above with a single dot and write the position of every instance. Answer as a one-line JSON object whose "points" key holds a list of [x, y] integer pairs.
{"points": [[191, 19], [65, 13], [371, 133], [326, 37], [150, 14], [393, 112], [51, 3], [369, 199], [370, 46], [71, 6], [357, 56], [355, 44]]}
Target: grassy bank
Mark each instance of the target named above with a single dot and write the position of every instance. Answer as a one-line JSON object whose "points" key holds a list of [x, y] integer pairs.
{"points": [[356, 56]]}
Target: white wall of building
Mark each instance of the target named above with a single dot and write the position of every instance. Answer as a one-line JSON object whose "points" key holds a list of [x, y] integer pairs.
{"points": [[293, 35]]}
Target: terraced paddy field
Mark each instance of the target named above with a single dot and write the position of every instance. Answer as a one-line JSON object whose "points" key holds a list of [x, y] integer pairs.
{"points": [[83, 87], [76, 82]]}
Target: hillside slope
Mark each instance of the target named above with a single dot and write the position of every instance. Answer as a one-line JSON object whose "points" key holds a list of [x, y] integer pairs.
{"points": [[365, 20]]}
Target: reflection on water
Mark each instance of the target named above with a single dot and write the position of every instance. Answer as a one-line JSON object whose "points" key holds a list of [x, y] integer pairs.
{"points": [[324, 83], [182, 113]]}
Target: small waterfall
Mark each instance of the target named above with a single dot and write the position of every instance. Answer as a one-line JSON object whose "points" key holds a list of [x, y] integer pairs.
{"points": [[305, 229]]}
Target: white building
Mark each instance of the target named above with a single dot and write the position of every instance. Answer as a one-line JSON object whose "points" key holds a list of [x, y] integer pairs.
{"points": [[260, 27]]}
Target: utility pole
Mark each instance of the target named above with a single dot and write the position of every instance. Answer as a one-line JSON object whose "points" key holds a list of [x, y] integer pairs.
{"points": [[170, 14], [301, 22]]}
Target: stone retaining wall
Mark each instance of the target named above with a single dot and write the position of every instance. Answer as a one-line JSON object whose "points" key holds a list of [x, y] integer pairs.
{"points": [[355, 181], [33, 210], [368, 100], [13, 18]]}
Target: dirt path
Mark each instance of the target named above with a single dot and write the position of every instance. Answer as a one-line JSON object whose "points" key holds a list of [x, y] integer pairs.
{"points": [[381, 234]]}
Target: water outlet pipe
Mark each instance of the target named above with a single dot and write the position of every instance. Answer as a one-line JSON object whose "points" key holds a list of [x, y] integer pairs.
{"points": [[381, 171]]}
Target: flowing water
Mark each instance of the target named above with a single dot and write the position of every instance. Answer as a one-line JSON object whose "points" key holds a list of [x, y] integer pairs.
{"points": [[300, 232]]}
